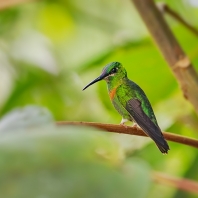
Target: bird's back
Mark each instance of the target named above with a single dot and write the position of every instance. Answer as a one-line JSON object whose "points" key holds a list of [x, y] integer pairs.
{"points": [[130, 90]]}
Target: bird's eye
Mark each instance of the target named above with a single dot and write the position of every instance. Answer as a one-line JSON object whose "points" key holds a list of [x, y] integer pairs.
{"points": [[114, 70]]}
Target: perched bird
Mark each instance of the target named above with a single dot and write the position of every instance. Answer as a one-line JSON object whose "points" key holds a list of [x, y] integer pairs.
{"points": [[131, 102]]}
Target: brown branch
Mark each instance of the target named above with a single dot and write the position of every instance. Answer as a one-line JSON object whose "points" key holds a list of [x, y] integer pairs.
{"points": [[182, 184], [179, 63], [165, 8], [132, 131]]}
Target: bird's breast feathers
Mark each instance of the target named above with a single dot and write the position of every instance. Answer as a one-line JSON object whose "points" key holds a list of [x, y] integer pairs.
{"points": [[112, 93]]}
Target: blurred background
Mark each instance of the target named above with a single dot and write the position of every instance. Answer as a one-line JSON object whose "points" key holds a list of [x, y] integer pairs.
{"points": [[49, 50]]}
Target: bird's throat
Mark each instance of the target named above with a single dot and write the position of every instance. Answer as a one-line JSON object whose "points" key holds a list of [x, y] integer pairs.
{"points": [[113, 83], [112, 93]]}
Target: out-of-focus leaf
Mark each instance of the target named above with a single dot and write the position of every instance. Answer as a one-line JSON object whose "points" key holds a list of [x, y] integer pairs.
{"points": [[24, 118], [34, 84], [55, 22], [35, 49], [68, 162], [7, 19]]}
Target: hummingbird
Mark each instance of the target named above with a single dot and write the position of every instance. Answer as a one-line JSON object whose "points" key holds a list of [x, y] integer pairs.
{"points": [[131, 102]]}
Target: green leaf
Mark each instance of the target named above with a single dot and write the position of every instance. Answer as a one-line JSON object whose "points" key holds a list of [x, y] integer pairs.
{"points": [[27, 117], [68, 162]]}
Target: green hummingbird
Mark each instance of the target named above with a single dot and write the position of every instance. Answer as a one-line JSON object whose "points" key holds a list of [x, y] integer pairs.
{"points": [[131, 102]]}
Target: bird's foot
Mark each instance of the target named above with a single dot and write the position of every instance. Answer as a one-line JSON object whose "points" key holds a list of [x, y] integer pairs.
{"points": [[135, 125], [122, 123]]}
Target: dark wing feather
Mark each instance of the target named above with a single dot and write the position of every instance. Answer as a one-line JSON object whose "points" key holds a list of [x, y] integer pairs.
{"points": [[133, 106]]}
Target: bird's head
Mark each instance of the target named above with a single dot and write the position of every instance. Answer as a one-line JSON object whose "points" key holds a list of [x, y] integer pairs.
{"points": [[112, 71]]}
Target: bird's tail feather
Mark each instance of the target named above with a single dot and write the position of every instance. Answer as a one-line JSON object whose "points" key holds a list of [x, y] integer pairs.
{"points": [[163, 147], [133, 106]]}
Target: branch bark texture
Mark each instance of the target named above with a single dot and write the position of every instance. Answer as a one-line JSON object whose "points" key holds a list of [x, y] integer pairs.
{"points": [[179, 63], [132, 131]]}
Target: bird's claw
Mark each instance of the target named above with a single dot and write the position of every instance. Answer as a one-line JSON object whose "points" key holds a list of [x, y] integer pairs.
{"points": [[122, 124], [135, 125]]}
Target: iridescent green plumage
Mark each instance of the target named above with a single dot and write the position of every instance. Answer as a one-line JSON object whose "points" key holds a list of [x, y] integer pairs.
{"points": [[131, 102]]}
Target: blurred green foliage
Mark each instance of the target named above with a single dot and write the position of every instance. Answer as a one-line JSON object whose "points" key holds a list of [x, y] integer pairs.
{"points": [[49, 50], [51, 161]]}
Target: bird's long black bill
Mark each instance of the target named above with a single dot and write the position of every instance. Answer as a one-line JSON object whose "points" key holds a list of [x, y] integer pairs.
{"points": [[102, 76]]}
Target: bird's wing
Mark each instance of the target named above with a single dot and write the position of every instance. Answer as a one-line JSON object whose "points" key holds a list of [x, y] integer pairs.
{"points": [[133, 106]]}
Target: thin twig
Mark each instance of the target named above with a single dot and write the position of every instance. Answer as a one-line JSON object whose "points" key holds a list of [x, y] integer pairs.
{"points": [[132, 131], [179, 63], [165, 8], [179, 183]]}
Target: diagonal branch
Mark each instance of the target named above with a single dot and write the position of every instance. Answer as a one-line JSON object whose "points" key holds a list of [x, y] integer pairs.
{"points": [[179, 183], [165, 8], [179, 63], [132, 131]]}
